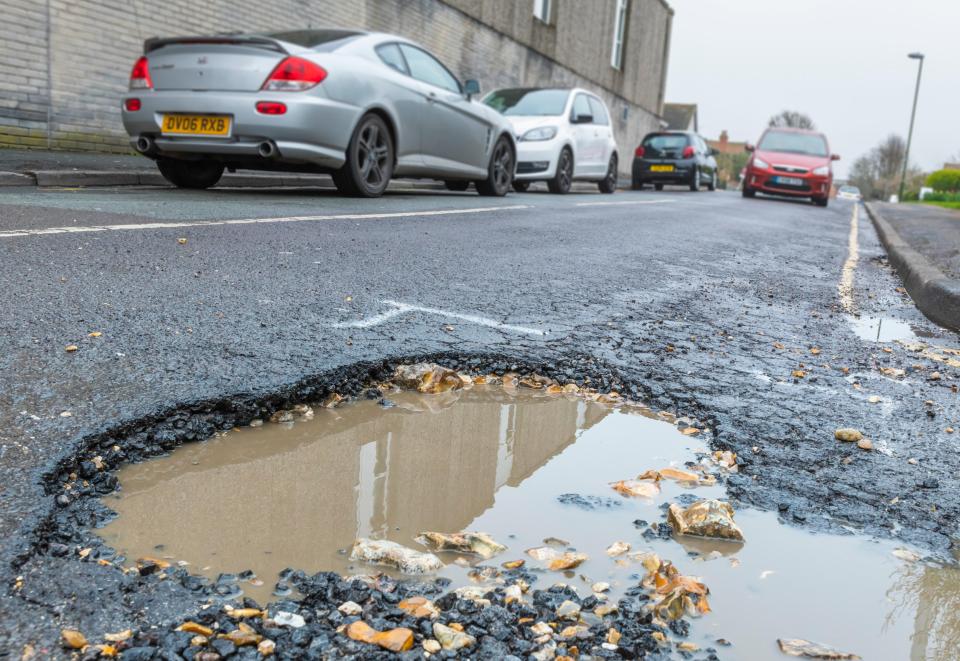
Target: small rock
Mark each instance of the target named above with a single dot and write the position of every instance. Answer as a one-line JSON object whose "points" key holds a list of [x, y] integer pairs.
{"points": [[568, 610], [431, 646], [930, 483], [350, 608], [541, 629], [912, 461], [600, 586], [848, 434], [705, 518], [285, 619], [383, 552], [451, 639], [73, 639], [617, 548], [865, 444], [797, 647], [266, 647], [934, 376]]}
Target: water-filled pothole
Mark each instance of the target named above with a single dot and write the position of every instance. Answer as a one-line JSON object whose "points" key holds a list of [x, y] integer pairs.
{"points": [[500, 461]]}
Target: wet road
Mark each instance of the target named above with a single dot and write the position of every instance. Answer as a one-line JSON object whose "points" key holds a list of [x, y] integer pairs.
{"points": [[705, 303]]}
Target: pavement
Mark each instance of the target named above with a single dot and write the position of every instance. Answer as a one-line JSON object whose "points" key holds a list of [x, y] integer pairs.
{"points": [[747, 314], [924, 246]]}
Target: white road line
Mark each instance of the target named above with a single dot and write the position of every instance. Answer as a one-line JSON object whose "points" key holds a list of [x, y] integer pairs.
{"points": [[845, 286], [254, 221], [403, 308], [610, 204]]}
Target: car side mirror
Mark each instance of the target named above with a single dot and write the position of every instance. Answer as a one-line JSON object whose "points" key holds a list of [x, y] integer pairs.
{"points": [[581, 119], [471, 88], [834, 157], [748, 147]]}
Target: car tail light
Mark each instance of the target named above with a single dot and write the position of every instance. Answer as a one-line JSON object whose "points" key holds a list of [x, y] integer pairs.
{"points": [[294, 74], [688, 152], [140, 76], [638, 152], [133, 105], [271, 108]]}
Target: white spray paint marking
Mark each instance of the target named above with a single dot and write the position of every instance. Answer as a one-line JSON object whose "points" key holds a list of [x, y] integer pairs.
{"points": [[403, 308], [254, 221], [610, 204], [845, 287]]}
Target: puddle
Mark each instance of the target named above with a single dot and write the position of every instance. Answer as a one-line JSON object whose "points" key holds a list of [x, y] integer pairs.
{"points": [[483, 459], [882, 329]]}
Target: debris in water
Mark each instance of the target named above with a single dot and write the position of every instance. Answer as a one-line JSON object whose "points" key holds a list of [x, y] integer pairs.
{"points": [[636, 488], [395, 640], [675, 594], [705, 518], [689, 431], [300, 411], [427, 378], [848, 434], [617, 548], [513, 564], [669, 474], [391, 554], [905, 554], [555, 541], [797, 647], [478, 543], [555, 560], [588, 502]]}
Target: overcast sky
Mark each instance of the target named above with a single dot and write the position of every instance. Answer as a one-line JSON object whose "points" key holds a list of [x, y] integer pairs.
{"points": [[843, 62]]}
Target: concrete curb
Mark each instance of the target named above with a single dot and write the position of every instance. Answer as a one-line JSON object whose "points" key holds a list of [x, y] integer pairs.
{"points": [[937, 296], [16, 179]]}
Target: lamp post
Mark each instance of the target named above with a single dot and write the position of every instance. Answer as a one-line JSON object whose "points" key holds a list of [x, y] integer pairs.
{"points": [[913, 114]]}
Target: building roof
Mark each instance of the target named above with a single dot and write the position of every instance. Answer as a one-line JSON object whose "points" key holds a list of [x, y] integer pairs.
{"points": [[680, 116]]}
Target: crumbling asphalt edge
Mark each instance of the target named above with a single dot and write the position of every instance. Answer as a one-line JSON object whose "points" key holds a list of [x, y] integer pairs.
{"points": [[937, 296]]}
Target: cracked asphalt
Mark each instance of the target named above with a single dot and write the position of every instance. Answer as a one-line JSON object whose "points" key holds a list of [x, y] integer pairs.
{"points": [[701, 303]]}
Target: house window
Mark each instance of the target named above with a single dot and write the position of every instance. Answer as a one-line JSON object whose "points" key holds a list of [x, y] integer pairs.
{"points": [[542, 10], [619, 27]]}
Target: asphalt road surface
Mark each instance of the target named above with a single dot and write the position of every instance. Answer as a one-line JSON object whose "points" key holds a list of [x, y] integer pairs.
{"points": [[700, 303]]}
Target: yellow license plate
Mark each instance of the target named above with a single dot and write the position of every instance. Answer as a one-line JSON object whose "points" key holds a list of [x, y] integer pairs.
{"points": [[216, 125], [661, 168]]}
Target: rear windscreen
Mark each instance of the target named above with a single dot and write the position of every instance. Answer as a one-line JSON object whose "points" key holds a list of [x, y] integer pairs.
{"points": [[325, 39], [664, 144]]}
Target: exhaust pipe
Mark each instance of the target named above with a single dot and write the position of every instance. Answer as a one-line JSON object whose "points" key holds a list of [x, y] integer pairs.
{"points": [[267, 149], [145, 145]]}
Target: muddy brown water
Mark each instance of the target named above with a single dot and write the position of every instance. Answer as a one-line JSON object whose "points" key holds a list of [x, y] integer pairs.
{"points": [[486, 459]]}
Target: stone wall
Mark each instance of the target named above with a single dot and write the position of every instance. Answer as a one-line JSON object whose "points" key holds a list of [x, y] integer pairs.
{"points": [[64, 64]]}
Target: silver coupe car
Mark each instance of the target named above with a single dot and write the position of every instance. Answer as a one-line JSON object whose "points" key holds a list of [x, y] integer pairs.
{"points": [[363, 107]]}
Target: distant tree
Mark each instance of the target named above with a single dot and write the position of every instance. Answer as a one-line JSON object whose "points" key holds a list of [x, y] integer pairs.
{"points": [[877, 173], [791, 119]]}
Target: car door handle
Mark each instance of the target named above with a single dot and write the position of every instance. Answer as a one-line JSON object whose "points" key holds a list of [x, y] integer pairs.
{"points": [[431, 97]]}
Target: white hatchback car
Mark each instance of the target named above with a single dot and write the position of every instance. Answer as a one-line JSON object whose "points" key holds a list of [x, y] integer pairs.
{"points": [[563, 135]]}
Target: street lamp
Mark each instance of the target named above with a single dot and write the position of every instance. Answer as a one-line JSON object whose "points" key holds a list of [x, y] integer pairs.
{"points": [[913, 113]]}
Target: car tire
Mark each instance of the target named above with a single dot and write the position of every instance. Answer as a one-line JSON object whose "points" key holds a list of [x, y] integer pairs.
{"points": [[658, 186], [695, 179], [609, 182], [563, 178], [821, 201], [196, 175], [748, 192], [500, 171], [712, 186], [458, 186], [369, 165], [521, 186]]}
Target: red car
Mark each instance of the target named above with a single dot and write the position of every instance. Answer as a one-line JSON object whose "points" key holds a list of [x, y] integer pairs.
{"points": [[790, 162]]}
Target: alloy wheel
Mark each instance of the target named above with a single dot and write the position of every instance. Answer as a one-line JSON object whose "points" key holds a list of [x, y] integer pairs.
{"points": [[373, 155]]}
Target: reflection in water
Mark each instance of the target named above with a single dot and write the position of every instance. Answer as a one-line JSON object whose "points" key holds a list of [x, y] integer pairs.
{"points": [[931, 593], [359, 471]]}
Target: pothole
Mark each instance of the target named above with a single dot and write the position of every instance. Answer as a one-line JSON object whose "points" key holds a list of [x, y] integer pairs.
{"points": [[533, 470]]}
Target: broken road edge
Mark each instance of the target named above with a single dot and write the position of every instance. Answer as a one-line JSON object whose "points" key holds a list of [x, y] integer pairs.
{"points": [[937, 296]]}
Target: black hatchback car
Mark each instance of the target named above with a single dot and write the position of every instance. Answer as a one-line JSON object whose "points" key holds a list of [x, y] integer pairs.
{"points": [[674, 157]]}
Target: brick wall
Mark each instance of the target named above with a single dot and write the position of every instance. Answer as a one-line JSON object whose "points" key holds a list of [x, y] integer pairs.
{"points": [[64, 64]]}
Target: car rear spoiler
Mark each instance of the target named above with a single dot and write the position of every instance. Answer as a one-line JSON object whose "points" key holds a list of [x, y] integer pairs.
{"points": [[153, 43]]}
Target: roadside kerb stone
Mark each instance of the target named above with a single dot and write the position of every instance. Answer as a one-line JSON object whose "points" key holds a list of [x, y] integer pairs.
{"points": [[937, 296], [16, 179]]}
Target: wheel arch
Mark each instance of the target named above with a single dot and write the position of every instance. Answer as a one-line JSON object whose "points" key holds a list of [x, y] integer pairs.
{"points": [[389, 120]]}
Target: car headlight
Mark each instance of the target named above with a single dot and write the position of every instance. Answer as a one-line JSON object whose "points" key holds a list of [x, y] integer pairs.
{"points": [[760, 163], [822, 171], [540, 133]]}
